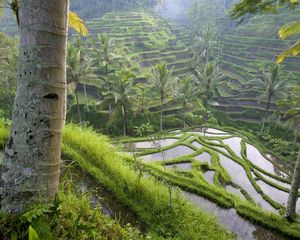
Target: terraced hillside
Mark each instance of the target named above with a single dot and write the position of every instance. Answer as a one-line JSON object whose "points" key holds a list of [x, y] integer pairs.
{"points": [[245, 50], [145, 39], [223, 167]]}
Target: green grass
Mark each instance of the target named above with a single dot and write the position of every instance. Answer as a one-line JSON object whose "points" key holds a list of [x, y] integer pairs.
{"points": [[147, 197], [151, 204], [194, 182]]}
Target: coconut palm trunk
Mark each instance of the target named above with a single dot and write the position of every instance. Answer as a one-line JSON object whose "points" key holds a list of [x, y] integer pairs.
{"points": [[125, 116], [161, 110], [108, 88], [266, 114], [184, 114], [296, 135], [293, 196], [31, 166], [77, 102], [85, 98]]}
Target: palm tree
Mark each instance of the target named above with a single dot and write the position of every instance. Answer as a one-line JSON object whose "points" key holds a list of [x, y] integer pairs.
{"points": [[272, 84], [106, 55], [163, 83], [293, 115], [142, 96], [79, 68], [122, 90], [204, 46], [31, 166], [208, 80], [186, 94]]}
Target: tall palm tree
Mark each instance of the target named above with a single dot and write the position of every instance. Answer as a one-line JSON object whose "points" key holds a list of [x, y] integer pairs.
{"points": [[293, 115], [122, 89], [106, 54], [187, 93], [79, 68], [273, 83], [204, 45], [163, 83], [31, 166], [207, 80]]}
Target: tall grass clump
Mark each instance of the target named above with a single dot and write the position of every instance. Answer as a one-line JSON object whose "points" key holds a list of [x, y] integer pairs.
{"points": [[3, 133], [147, 197]]}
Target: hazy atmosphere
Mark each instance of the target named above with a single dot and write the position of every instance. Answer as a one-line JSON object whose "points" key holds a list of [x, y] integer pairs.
{"points": [[149, 119]]}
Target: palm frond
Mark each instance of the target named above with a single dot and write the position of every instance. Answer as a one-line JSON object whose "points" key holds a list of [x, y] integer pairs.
{"points": [[291, 51], [289, 30], [77, 24]]}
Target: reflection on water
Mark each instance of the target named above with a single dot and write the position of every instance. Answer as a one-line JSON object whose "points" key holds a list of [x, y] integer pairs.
{"points": [[282, 184], [209, 176], [197, 145], [168, 154], [152, 144], [244, 229], [277, 195], [235, 191], [238, 176], [235, 144], [181, 166], [204, 157], [259, 160]]}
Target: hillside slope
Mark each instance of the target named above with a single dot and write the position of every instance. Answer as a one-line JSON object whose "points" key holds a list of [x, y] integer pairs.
{"points": [[246, 49]]}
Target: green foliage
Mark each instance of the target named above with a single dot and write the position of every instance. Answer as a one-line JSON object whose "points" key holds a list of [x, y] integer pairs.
{"points": [[69, 218], [4, 126], [151, 204], [144, 129], [32, 235], [280, 146], [8, 72]]}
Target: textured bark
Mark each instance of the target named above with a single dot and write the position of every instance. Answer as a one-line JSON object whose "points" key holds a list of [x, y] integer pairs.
{"points": [[293, 196], [31, 166]]}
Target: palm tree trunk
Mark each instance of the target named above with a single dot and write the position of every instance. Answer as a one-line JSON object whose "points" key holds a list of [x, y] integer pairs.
{"points": [[86, 99], [125, 119], [31, 167], [183, 107], [293, 196], [266, 114], [108, 88], [296, 135], [77, 104], [161, 112]]}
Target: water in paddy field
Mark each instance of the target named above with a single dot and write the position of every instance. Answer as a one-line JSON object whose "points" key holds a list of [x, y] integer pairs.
{"points": [[239, 176], [209, 176], [197, 145], [229, 218], [168, 154], [235, 191], [152, 144], [240, 180], [259, 160], [235, 144], [107, 202], [204, 157], [180, 166]]}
